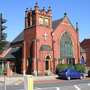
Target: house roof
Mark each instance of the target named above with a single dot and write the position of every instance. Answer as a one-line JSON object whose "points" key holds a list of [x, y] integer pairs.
{"points": [[8, 54], [85, 41], [19, 38], [55, 23]]}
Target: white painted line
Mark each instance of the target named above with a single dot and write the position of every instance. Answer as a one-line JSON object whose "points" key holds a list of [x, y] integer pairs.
{"points": [[57, 88], [77, 87], [88, 84]]}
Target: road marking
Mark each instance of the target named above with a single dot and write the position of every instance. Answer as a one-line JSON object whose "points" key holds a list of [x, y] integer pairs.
{"points": [[88, 84], [57, 88], [77, 87]]}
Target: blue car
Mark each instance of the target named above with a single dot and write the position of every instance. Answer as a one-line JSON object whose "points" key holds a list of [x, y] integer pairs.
{"points": [[70, 73]]}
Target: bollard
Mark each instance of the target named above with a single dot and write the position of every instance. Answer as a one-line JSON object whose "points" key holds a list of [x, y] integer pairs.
{"points": [[28, 82]]}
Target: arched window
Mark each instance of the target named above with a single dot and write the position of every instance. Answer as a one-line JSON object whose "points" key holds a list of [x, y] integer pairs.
{"points": [[66, 47]]}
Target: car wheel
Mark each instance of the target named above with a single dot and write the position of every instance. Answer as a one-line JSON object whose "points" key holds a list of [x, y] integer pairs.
{"points": [[81, 77], [68, 78]]}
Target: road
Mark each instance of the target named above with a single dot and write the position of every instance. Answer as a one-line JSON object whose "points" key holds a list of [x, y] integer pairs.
{"points": [[65, 85], [54, 85]]}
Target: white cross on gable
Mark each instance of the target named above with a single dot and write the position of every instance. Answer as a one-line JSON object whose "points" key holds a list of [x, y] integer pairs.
{"points": [[45, 36]]}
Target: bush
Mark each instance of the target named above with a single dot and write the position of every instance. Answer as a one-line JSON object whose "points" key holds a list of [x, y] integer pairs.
{"points": [[77, 67], [61, 67], [89, 73], [80, 68]]}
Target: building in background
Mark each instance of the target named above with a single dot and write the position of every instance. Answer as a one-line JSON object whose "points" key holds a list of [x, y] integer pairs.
{"points": [[85, 44]]}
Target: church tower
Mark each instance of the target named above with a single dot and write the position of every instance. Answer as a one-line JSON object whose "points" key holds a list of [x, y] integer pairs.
{"points": [[38, 53]]}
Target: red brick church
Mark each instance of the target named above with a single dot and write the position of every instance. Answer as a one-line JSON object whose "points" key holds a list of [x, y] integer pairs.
{"points": [[44, 43]]}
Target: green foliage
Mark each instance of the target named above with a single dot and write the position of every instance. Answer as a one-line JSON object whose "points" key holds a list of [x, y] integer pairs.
{"points": [[2, 45], [80, 68], [77, 67], [61, 67]]}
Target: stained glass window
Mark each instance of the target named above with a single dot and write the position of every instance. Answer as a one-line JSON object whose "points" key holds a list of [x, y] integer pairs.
{"points": [[66, 48]]}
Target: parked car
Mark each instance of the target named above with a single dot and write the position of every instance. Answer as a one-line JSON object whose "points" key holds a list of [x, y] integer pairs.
{"points": [[70, 73], [89, 73]]}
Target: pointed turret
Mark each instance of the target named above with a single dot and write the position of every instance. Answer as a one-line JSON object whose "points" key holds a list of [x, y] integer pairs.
{"points": [[36, 7], [77, 29], [49, 12]]}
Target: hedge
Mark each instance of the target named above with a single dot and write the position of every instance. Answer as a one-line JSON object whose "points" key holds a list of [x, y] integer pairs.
{"points": [[80, 68], [77, 67], [61, 67]]}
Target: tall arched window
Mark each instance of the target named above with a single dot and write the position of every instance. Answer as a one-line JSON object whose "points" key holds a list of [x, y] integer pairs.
{"points": [[66, 47]]}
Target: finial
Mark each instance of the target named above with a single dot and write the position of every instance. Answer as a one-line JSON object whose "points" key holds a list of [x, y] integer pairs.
{"points": [[49, 12], [36, 7], [65, 14], [77, 26], [49, 8], [30, 9], [43, 8], [36, 4], [26, 10]]}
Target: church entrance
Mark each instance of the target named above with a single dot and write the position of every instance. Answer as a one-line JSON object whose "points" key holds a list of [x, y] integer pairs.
{"points": [[48, 65]]}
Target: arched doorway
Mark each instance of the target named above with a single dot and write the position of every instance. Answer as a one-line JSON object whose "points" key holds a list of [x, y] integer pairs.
{"points": [[66, 48], [47, 63]]}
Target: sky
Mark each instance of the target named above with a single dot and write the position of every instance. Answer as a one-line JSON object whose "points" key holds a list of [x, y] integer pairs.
{"points": [[77, 11]]}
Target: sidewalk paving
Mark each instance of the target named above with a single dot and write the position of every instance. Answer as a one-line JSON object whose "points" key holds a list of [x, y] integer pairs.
{"points": [[18, 79]]}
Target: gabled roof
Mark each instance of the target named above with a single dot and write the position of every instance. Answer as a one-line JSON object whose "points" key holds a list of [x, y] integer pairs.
{"points": [[19, 38], [85, 41], [7, 54], [55, 23]]}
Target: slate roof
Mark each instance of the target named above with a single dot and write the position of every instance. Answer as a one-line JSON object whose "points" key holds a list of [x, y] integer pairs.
{"points": [[85, 42], [55, 23], [20, 37], [8, 54]]}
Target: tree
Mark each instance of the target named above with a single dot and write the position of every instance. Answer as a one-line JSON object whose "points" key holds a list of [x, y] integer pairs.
{"points": [[3, 35]]}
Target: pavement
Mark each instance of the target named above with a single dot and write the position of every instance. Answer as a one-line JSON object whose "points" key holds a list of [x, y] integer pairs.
{"points": [[16, 80], [44, 83]]}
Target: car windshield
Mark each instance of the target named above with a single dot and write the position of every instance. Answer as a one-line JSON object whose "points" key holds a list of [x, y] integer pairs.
{"points": [[65, 70]]}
